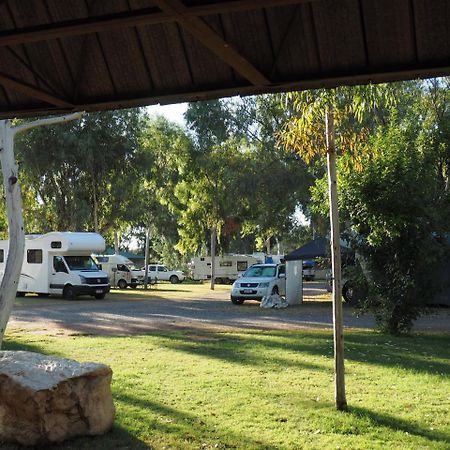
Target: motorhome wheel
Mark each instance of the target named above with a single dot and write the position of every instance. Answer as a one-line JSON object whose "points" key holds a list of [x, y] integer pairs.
{"points": [[69, 293], [122, 284]]}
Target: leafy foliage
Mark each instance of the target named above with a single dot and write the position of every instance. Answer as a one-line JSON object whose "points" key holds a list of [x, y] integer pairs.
{"points": [[399, 210]]}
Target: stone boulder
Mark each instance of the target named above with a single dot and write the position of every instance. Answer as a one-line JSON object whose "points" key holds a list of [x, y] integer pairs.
{"points": [[45, 399]]}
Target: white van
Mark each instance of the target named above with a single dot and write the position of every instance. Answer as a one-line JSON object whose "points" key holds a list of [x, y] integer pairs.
{"points": [[60, 263], [121, 271]]}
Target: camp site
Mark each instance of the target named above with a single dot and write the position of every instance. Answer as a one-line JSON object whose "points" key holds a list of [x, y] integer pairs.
{"points": [[224, 224]]}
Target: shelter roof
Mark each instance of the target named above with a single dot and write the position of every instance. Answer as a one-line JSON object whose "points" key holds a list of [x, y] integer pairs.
{"points": [[65, 55], [317, 248]]}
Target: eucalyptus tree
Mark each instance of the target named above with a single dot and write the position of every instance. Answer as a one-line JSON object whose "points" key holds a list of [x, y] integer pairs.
{"points": [[76, 176], [311, 133], [164, 153]]}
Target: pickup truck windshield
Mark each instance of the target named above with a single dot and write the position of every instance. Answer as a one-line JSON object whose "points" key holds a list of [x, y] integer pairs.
{"points": [[80, 263], [260, 271]]}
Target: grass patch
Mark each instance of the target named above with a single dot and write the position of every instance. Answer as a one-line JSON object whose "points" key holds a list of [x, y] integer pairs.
{"points": [[265, 390]]}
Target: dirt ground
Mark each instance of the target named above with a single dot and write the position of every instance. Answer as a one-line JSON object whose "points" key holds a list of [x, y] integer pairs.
{"points": [[133, 313]]}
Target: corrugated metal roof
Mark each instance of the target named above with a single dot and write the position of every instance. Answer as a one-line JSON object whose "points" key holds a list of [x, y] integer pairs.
{"points": [[65, 55]]}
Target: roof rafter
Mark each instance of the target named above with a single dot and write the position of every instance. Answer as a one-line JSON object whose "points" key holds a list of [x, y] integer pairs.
{"points": [[32, 91], [211, 40], [129, 19]]}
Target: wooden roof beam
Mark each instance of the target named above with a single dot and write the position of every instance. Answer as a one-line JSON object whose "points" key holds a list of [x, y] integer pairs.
{"points": [[211, 40], [128, 20], [32, 91]]}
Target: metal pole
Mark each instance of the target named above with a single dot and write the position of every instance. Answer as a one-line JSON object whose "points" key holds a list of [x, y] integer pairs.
{"points": [[341, 402]]}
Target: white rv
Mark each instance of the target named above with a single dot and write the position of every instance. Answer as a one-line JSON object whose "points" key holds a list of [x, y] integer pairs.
{"points": [[227, 268], [60, 263], [121, 271]]}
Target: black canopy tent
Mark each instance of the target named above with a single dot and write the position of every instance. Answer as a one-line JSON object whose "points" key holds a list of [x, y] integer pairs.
{"points": [[318, 248]]}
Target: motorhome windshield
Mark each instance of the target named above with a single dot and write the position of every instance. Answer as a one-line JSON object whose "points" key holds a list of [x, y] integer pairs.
{"points": [[261, 271], [80, 263]]}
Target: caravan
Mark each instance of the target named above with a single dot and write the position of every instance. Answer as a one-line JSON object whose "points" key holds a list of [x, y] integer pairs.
{"points": [[227, 268], [60, 263], [121, 271]]}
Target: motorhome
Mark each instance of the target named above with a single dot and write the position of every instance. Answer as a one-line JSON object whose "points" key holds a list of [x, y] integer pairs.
{"points": [[121, 271], [60, 263], [227, 268]]}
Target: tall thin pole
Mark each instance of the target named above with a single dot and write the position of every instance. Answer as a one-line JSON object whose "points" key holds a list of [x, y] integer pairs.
{"points": [[338, 328], [213, 255], [146, 256]]}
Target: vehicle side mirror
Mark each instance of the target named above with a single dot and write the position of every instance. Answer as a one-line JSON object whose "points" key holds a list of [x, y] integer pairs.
{"points": [[281, 275], [99, 267], [114, 269]]}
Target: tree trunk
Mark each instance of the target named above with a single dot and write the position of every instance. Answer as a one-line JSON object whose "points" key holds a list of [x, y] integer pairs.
{"points": [[146, 257], [13, 267], [94, 194], [213, 255], [268, 249], [341, 402], [116, 242]]}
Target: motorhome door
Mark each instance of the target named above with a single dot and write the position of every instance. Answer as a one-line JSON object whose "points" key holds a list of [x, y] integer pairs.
{"points": [[58, 275]]}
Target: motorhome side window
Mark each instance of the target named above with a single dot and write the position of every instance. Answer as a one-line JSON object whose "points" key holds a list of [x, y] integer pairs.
{"points": [[122, 268], [225, 263], [242, 266], [56, 244], [34, 256], [2, 255], [58, 264]]}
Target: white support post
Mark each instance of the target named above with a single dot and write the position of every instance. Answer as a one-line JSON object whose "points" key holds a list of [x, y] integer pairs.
{"points": [[9, 284], [13, 199], [338, 328]]}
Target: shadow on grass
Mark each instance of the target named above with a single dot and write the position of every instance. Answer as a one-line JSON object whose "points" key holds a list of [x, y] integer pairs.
{"points": [[116, 439], [420, 353], [396, 424], [174, 426]]}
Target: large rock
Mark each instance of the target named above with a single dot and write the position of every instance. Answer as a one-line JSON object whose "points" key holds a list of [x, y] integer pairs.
{"points": [[46, 399]]}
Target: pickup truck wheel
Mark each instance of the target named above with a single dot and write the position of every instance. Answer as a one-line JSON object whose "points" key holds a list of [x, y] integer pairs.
{"points": [[122, 284], [69, 293], [237, 300], [174, 279]]}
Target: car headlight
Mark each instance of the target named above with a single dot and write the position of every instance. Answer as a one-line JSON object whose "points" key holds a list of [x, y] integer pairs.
{"points": [[264, 285], [83, 279]]}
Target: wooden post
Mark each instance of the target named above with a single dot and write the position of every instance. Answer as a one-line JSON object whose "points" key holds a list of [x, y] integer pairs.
{"points": [[338, 332], [10, 280], [146, 256], [213, 255]]}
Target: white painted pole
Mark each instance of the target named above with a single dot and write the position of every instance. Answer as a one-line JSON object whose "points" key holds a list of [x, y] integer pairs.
{"points": [[9, 284], [13, 199], [338, 328]]}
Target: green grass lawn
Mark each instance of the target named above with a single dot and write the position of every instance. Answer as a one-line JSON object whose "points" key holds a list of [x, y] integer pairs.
{"points": [[265, 390]]}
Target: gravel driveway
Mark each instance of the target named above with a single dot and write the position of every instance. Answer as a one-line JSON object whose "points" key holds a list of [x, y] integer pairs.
{"points": [[116, 316]]}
